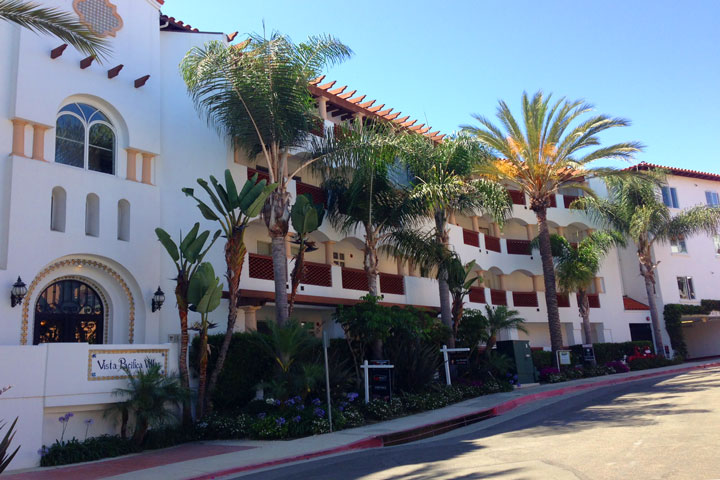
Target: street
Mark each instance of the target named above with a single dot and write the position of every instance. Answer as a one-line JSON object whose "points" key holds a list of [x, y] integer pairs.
{"points": [[648, 429]]}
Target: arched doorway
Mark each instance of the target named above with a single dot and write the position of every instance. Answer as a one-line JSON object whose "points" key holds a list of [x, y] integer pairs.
{"points": [[69, 311]]}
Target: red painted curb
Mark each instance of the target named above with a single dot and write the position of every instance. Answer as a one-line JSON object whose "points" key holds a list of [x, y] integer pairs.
{"points": [[377, 441]]}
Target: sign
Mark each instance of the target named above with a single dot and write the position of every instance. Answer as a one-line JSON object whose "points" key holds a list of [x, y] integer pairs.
{"points": [[563, 357], [588, 353], [111, 364]]}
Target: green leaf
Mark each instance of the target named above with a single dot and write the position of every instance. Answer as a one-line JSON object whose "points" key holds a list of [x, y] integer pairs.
{"points": [[251, 195], [249, 184], [218, 204], [200, 283], [188, 240], [254, 209], [168, 243], [212, 241], [194, 248], [207, 212], [232, 193], [221, 193], [211, 300]]}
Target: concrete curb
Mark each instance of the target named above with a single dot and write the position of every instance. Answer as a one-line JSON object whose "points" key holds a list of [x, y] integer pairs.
{"points": [[444, 426]]}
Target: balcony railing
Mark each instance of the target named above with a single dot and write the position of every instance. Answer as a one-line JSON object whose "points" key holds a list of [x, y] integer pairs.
{"points": [[569, 199], [317, 194], [261, 175], [498, 297], [261, 266], [471, 238], [477, 295], [593, 300], [525, 299], [518, 247], [390, 283], [317, 274], [354, 279], [492, 243], [553, 201], [563, 300], [517, 197]]}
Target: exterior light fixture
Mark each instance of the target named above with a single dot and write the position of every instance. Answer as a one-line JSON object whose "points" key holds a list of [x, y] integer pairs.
{"points": [[158, 300], [18, 292]]}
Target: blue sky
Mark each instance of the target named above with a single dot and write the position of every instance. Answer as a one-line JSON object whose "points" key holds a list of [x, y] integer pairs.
{"points": [[656, 63]]}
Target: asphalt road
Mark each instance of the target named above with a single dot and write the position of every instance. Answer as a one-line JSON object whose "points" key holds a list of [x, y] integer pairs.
{"points": [[649, 429]]}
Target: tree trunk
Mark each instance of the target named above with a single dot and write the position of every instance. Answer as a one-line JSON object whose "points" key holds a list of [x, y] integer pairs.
{"points": [[370, 264], [181, 298], [549, 278], [648, 275], [584, 309], [276, 214], [492, 340], [202, 391], [234, 259], [445, 304], [140, 431], [125, 416], [296, 277], [458, 308]]}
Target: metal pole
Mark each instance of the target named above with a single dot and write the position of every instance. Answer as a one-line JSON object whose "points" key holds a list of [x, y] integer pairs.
{"points": [[327, 378], [444, 350], [367, 381]]}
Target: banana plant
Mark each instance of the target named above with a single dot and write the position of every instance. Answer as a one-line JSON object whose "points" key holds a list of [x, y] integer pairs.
{"points": [[204, 294], [306, 217], [232, 209], [460, 279], [187, 255]]}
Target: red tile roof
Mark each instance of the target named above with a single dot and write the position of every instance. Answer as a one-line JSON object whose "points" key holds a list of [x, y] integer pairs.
{"points": [[681, 172], [632, 304], [177, 24], [357, 104]]}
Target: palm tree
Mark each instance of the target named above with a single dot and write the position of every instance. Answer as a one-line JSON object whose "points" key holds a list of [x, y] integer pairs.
{"points": [[187, 257], [500, 318], [147, 395], [306, 217], [5, 455], [257, 93], [635, 209], [460, 279], [57, 23], [232, 209], [577, 266], [541, 157], [361, 192], [443, 185]]}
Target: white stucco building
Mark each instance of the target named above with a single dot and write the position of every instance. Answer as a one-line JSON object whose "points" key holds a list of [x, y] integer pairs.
{"points": [[92, 160]]}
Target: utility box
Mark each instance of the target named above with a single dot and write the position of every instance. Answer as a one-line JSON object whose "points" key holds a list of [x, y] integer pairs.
{"points": [[519, 352]]}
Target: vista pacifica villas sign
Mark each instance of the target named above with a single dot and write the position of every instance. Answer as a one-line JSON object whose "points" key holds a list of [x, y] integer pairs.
{"points": [[111, 364]]}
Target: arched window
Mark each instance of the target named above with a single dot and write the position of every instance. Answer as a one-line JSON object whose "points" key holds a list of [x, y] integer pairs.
{"points": [[57, 209], [69, 311], [92, 215], [85, 138], [123, 227]]}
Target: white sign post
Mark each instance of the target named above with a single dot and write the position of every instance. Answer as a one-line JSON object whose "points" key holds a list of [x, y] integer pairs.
{"points": [[327, 377], [111, 364], [366, 367], [446, 359]]}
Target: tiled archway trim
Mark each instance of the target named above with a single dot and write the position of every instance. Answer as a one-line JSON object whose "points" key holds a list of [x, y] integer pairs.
{"points": [[75, 262]]}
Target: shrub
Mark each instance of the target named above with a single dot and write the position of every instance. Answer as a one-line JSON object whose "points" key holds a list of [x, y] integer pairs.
{"points": [[608, 352], [656, 362], [551, 375], [95, 448], [618, 366], [379, 409], [219, 427], [235, 386], [542, 359]]}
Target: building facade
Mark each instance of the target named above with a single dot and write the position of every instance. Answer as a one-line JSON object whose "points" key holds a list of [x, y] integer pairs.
{"points": [[93, 160]]}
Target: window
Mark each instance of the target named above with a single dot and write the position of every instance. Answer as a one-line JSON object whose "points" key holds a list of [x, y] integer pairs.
{"points": [[686, 288], [57, 209], [669, 196], [677, 245], [85, 138], [716, 240], [712, 199], [123, 228], [339, 259], [92, 215]]}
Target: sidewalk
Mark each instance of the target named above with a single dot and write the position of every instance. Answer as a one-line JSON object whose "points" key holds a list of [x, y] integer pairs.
{"points": [[207, 460]]}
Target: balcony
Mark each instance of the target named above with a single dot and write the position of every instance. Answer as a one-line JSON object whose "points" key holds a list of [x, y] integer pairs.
{"points": [[492, 243], [316, 193], [498, 297], [563, 300], [518, 247], [261, 266], [261, 175], [317, 274], [354, 279], [525, 299], [477, 295], [471, 238], [517, 197], [569, 199], [389, 283]]}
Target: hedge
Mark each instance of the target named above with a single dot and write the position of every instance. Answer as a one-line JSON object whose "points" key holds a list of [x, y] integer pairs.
{"points": [[609, 352]]}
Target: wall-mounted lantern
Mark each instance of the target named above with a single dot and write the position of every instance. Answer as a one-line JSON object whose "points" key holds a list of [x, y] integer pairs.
{"points": [[158, 300], [18, 292]]}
